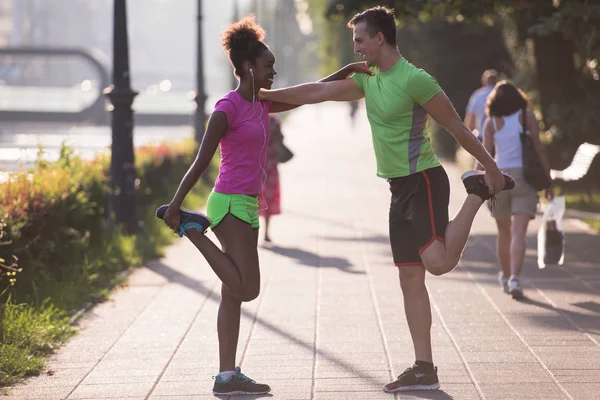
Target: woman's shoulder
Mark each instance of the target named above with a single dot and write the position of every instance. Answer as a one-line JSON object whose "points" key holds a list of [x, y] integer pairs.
{"points": [[493, 124], [230, 96], [529, 114]]}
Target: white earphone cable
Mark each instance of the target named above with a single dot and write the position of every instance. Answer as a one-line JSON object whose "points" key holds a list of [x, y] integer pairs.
{"points": [[264, 146]]}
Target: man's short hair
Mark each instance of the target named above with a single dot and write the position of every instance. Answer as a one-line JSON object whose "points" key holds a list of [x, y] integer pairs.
{"points": [[378, 19], [489, 77]]}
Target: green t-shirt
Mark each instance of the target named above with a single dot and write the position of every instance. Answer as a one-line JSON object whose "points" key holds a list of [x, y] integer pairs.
{"points": [[398, 122]]}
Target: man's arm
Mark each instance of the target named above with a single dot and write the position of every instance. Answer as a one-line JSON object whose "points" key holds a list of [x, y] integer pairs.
{"points": [[341, 74], [318, 92], [442, 111]]}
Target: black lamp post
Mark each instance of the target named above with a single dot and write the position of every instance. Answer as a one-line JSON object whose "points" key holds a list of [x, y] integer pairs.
{"points": [[200, 117], [122, 163]]}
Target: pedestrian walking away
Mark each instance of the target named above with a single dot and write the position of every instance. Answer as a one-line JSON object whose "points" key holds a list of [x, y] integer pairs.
{"points": [[475, 114], [509, 117]]}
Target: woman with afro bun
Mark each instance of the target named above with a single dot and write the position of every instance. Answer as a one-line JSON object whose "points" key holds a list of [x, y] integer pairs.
{"points": [[239, 125]]}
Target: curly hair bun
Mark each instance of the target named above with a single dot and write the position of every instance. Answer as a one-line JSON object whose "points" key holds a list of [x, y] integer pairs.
{"points": [[242, 34]]}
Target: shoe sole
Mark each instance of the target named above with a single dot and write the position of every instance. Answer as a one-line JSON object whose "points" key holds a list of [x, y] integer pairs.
{"points": [[160, 211], [468, 174], [193, 216], [414, 388], [510, 185], [238, 392], [507, 185], [517, 294]]}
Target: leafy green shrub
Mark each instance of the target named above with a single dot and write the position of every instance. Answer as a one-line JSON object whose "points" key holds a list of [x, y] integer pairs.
{"points": [[59, 250]]}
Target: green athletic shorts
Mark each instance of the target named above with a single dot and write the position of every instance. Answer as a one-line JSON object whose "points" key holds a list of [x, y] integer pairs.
{"points": [[239, 205]]}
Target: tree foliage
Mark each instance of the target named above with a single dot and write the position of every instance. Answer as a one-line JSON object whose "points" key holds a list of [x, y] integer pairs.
{"points": [[561, 37]]}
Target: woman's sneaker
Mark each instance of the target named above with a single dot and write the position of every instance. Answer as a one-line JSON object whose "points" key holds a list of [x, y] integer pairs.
{"points": [[474, 182], [514, 288], [189, 219], [503, 282], [238, 384], [413, 379]]}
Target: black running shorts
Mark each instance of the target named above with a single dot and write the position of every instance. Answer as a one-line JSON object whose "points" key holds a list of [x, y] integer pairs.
{"points": [[418, 213]]}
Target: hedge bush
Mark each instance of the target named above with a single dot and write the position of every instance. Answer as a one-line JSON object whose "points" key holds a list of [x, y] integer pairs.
{"points": [[60, 251]]}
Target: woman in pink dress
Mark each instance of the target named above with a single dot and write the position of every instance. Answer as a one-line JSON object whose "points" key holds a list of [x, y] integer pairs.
{"points": [[270, 198]]}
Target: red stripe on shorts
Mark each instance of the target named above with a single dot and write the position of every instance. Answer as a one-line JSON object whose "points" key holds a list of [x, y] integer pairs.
{"points": [[410, 264]]}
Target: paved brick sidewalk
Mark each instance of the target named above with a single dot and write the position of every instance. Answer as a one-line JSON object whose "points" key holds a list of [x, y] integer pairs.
{"points": [[329, 323]]}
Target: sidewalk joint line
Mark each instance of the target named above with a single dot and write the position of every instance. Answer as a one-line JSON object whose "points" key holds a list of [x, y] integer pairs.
{"points": [[457, 348], [555, 306], [515, 331], [580, 280], [315, 366], [206, 298], [367, 267], [522, 339], [260, 302], [561, 312], [114, 343]]}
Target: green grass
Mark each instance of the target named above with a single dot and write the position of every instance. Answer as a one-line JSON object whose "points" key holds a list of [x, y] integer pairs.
{"points": [[28, 335], [594, 224], [584, 202]]}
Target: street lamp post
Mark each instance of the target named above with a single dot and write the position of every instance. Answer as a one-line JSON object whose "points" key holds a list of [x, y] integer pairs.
{"points": [[200, 117], [122, 163]]}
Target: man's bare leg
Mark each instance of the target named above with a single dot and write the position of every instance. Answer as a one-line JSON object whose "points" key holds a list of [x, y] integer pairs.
{"points": [[417, 310], [442, 257]]}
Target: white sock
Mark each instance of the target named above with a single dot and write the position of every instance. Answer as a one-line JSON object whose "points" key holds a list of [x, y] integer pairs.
{"points": [[225, 375], [514, 277]]}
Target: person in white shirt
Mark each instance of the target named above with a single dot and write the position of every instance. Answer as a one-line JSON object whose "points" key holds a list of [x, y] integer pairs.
{"points": [[475, 115], [508, 114]]}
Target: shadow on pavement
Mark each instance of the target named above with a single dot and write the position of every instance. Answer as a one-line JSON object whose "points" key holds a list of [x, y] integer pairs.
{"points": [[213, 295], [308, 258], [588, 305], [582, 253], [246, 397], [432, 395], [350, 226], [580, 268]]}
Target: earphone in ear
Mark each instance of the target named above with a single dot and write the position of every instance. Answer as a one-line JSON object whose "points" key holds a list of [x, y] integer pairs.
{"points": [[252, 74]]}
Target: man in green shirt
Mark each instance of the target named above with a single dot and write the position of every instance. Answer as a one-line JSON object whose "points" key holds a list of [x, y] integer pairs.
{"points": [[399, 97]]}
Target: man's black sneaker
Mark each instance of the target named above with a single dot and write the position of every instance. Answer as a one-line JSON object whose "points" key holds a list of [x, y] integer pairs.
{"points": [[189, 219], [413, 379], [238, 384], [474, 182]]}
